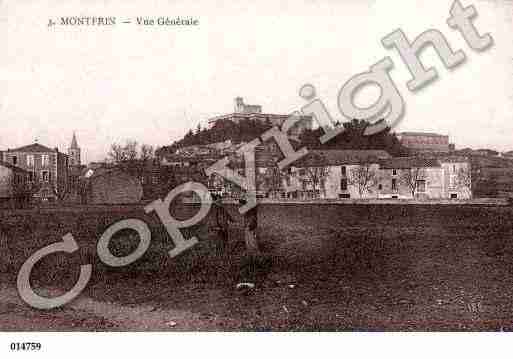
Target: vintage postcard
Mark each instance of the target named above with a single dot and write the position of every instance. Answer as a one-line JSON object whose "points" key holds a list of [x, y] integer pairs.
{"points": [[265, 166]]}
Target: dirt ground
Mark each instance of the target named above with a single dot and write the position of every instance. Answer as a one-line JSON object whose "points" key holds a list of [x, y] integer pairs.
{"points": [[335, 268]]}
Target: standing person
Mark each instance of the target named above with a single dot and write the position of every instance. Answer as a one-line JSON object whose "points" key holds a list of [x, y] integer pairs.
{"points": [[251, 264], [223, 219], [250, 229]]}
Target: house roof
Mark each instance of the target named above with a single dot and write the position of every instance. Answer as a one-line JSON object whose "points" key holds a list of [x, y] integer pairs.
{"points": [[35, 147], [90, 173], [428, 134], [409, 162], [12, 167], [340, 157], [452, 159]]}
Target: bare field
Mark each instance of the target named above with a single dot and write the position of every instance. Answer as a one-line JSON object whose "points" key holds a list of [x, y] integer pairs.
{"points": [[328, 267]]}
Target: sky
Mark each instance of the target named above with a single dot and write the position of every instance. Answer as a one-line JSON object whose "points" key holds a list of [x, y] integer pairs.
{"points": [[152, 84]]}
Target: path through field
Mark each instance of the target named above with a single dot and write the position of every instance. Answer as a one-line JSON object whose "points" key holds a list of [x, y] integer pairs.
{"points": [[330, 268]]}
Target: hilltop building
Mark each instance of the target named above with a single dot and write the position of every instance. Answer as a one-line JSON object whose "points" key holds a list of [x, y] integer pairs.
{"points": [[254, 112], [425, 142], [241, 107]]}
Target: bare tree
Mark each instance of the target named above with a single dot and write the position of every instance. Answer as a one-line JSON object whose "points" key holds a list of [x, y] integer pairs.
{"points": [[317, 176], [363, 177], [146, 152], [116, 153], [123, 153], [131, 150], [272, 180], [411, 177], [464, 179]]}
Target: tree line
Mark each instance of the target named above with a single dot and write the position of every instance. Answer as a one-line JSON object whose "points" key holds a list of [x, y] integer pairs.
{"points": [[353, 136]]}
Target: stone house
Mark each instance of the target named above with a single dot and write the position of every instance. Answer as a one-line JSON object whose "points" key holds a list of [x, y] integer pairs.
{"points": [[373, 174], [48, 169], [410, 177], [332, 174], [457, 177], [443, 177]]}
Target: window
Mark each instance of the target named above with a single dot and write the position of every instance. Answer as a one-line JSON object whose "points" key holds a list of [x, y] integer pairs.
{"points": [[454, 195], [380, 186], [14, 160], [394, 172], [421, 186], [452, 181], [344, 195], [45, 160], [394, 184], [343, 184], [343, 170], [30, 160], [45, 175]]}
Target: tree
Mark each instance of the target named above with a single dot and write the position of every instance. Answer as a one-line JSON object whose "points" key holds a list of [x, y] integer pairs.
{"points": [[354, 137], [273, 180], [363, 177], [131, 150], [123, 153], [116, 153], [317, 175], [146, 153], [411, 177], [464, 179]]}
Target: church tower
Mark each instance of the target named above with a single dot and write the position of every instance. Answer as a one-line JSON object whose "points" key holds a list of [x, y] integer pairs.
{"points": [[74, 152]]}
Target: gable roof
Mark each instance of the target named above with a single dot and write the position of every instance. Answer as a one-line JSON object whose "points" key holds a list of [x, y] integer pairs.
{"points": [[35, 147], [409, 162], [316, 158]]}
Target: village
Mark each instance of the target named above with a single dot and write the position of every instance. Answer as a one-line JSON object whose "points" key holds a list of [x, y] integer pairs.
{"points": [[429, 168]]}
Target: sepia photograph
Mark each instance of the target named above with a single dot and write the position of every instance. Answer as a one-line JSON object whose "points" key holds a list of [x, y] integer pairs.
{"points": [[230, 168]]}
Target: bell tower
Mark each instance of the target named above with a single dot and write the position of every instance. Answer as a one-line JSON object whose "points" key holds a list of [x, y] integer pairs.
{"points": [[74, 152]]}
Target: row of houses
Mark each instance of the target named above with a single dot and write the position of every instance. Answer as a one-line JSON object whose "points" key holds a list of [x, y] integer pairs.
{"points": [[326, 174], [366, 174]]}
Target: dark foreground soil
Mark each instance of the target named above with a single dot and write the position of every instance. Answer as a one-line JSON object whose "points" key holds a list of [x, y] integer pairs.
{"points": [[326, 267]]}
